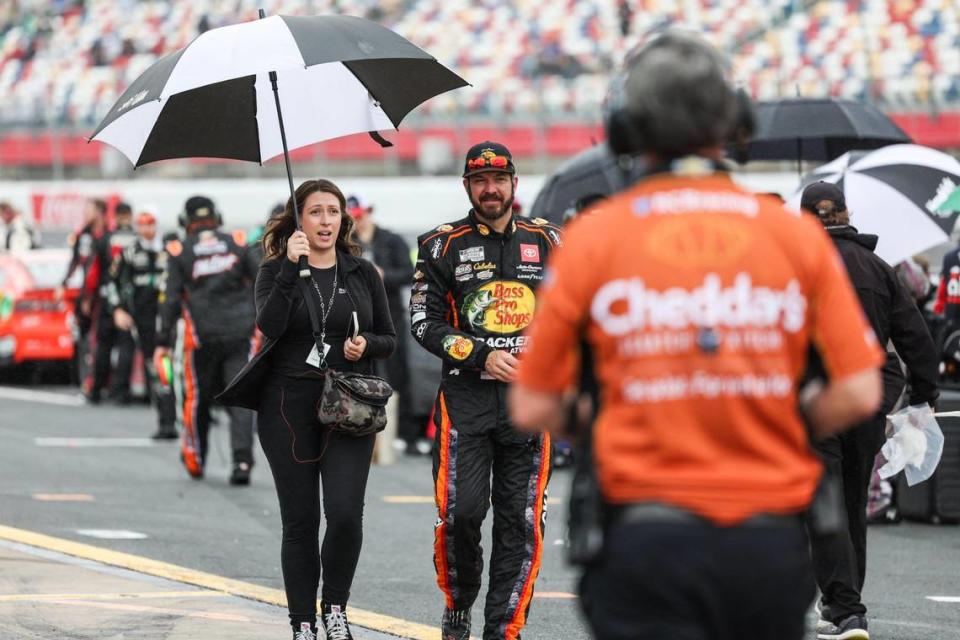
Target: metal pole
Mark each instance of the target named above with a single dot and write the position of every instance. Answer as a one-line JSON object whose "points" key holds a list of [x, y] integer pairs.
{"points": [[302, 263]]}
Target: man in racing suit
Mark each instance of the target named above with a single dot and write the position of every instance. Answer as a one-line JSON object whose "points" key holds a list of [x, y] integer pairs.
{"points": [[473, 295], [209, 283], [133, 293]]}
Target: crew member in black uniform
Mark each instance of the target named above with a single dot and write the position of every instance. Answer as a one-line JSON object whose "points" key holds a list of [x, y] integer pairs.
{"points": [[106, 249], [472, 297], [133, 293], [209, 283], [82, 245]]}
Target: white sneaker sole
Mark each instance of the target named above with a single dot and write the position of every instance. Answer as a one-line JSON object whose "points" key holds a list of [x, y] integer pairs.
{"points": [[853, 634]]}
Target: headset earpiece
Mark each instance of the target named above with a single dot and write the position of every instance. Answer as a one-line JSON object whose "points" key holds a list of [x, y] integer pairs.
{"points": [[624, 135]]}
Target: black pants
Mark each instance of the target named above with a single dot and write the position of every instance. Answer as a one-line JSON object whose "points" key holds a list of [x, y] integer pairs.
{"points": [[289, 431], [160, 395], [474, 441], [108, 337], [679, 581], [206, 370], [840, 560]]}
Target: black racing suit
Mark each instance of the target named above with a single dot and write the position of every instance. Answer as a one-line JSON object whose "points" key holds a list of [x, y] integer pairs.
{"points": [[83, 246], [134, 287], [474, 292], [209, 283], [107, 249]]}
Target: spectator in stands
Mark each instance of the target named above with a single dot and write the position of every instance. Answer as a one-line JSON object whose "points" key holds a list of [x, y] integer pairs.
{"points": [[17, 234], [391, 256]]}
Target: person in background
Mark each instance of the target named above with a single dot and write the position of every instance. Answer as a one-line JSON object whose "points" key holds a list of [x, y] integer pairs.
{"points": [[390, 256], [840, 560], [474, 292], [700, 444], [133, 295], [17, 234], [313, 465], [106, 249], [83, 257], [209, 284]]}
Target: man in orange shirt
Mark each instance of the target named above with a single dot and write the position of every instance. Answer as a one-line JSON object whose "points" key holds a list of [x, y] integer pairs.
{"points": [[698, 326]]}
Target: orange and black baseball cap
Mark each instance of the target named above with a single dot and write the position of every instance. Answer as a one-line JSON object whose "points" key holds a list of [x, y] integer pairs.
{"points": [[488, 156]]}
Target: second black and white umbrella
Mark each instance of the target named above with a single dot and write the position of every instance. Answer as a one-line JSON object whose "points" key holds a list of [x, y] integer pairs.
{"points": [[337, 75], [905, 194]]}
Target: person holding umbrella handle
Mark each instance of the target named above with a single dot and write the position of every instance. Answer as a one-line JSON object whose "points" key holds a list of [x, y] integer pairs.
{"points": [[284, 382]]}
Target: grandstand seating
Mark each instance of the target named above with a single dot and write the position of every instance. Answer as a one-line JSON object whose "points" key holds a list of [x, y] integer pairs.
{"points": [[528, 60]]}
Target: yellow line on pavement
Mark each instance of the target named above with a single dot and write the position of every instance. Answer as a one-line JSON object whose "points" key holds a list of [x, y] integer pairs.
{"points": [[368, 619], [41, 597]]}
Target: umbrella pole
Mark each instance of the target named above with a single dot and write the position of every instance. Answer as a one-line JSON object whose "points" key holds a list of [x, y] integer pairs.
{"points": [[303, 266]]}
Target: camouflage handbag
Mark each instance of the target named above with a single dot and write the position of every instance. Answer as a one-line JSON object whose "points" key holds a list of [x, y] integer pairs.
{"points": [[354, 404]]}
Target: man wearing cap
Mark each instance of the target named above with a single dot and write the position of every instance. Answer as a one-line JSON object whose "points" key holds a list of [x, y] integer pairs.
{"points": [[209, 283], [132, 295], [474, 293], [840, 560], [391, 256]]}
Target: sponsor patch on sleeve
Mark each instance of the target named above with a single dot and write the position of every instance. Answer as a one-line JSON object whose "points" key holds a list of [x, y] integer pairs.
{"points": [[457, 347]]}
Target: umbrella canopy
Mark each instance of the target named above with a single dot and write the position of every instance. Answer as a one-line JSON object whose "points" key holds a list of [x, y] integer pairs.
{"points": [[336, 75], [905, 194], [593, 172], [818, 129]]}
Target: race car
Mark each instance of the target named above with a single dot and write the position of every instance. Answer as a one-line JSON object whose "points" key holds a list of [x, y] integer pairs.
{"points": [[35, 327]]}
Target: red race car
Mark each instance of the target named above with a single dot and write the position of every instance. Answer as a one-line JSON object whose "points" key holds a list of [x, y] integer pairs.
{"points": [[35, 327]]}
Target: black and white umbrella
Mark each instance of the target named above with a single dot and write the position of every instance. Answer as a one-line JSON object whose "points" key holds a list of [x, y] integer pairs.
{"points": [[334, 76], [908, 195]]}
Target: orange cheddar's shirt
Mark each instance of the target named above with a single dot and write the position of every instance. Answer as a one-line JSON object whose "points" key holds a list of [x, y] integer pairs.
{"points": [[700, 300]]}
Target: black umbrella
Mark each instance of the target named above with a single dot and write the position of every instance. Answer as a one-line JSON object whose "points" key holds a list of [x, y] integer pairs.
{"points": [[592, 173], [228, 93], [818, 129]]}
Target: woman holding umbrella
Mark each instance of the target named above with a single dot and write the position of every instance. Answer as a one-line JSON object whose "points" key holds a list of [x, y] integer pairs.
{"points": [[286, 377]]}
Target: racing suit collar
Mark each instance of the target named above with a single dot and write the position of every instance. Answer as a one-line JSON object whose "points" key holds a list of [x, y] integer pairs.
{"points": [[485, 229]]}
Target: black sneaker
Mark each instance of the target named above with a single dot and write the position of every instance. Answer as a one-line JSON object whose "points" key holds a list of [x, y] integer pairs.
{"points": [[305, 632], [335, 622], [850, 628], [455, 624], [165, 432], [241, 474]]}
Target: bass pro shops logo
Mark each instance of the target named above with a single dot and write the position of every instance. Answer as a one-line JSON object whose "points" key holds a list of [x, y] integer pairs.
{"points": [[501, 306], [457, 347]]}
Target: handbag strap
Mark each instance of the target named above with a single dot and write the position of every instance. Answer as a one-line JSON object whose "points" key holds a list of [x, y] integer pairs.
{"points": [[314, 314]]}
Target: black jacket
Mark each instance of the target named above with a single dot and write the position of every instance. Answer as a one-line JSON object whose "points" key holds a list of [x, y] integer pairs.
{"points": [[389, 252], [890, 310], [474, 290], [278, 296], [211, 276], [135, 277]]}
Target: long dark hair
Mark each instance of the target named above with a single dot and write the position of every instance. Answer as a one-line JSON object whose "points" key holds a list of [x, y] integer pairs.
{"points": [[282, 226]]}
